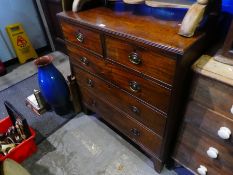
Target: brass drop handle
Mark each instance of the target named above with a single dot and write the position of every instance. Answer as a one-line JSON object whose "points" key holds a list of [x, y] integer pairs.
{"points": [[80, 37], [134, 86], [135, 110], [135, 132], [90, 83], [84, 60], [134, 58]]}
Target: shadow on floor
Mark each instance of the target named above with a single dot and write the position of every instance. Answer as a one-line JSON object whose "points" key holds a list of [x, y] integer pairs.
{"points": [[30, 163], [39, 170]]}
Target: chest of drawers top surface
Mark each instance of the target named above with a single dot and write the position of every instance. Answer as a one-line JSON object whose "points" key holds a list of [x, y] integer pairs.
{"points": [[209, 67], [213, 85], [144, 29]]}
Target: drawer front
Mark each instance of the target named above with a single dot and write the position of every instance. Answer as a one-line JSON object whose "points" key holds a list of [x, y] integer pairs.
{"points": [[134, 108], [208, 121], [213, 94], [148, 91], [141, 60], [82, 37], [87, 61], [146, 139], [192, 149]]}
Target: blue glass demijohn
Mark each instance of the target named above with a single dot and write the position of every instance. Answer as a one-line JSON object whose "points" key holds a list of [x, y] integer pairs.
{"points": [[53, 85]]}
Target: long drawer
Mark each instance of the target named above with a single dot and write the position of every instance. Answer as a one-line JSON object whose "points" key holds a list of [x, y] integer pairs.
{"points": [[82, 37], [149, 91], [192, 148], [151, 118], [146, 139], [141, 60], [208, 121], [214, 94]]}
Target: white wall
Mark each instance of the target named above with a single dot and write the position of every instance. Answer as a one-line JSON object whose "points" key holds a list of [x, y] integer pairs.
{"points": [[22, 11]]}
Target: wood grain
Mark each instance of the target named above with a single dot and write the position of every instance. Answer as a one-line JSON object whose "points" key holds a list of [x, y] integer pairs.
{"points": [[191, 152], [209, 67], [208, 109], [159, 79], [150, 92], [134, 1], [159, 34], [91, 39], [96, 64], [208, 121], [169, 3], [213, 94], [152, 64], [151, 118], [147, 140]]}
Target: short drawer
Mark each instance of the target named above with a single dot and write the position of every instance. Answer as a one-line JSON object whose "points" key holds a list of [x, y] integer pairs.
{"points": [[141, 60], [87, 61], [149, 91], [82, 37], [146, 139], [191, 151], [151, 118], [214, 94], [209, 122]]}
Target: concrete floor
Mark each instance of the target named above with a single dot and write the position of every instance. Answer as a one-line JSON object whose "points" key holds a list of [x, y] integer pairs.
{"points": [[86, 146], [83, 146]]}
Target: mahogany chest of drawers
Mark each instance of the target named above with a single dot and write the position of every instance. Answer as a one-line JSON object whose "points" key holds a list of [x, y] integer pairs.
{"points": [[131, 71], [205, 144]]}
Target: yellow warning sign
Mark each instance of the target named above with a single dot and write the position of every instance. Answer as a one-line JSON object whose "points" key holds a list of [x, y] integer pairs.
{"points": [[21, 43]]}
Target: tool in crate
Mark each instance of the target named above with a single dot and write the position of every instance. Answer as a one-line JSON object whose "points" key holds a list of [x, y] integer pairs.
{"points": [[15, 136]]}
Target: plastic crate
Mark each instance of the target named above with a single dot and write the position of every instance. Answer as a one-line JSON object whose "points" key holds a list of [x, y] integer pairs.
{"points": [[21, 151]]}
